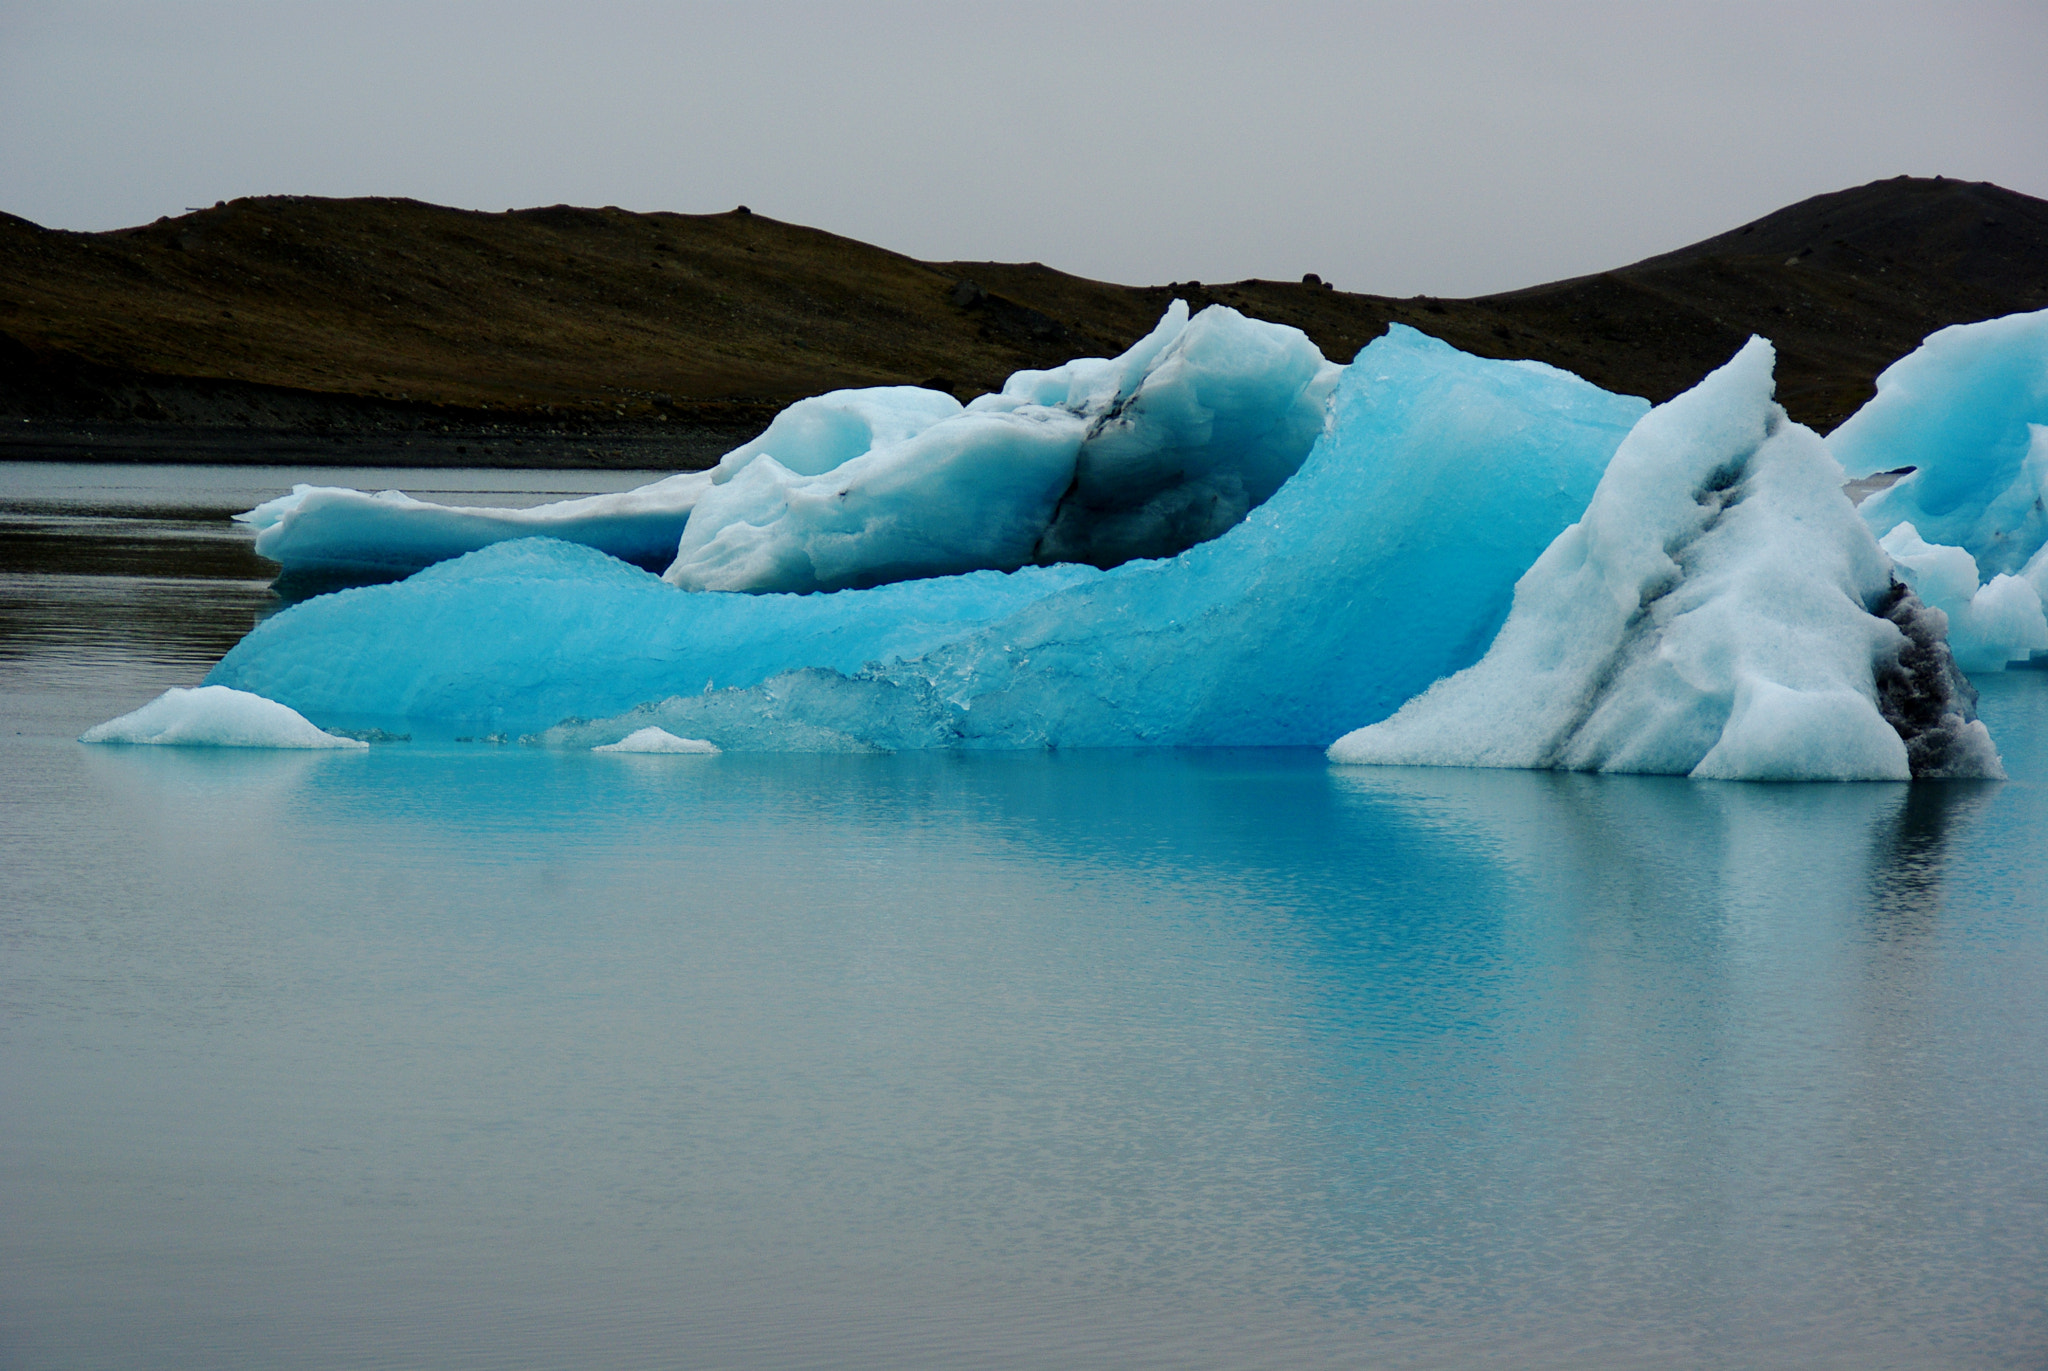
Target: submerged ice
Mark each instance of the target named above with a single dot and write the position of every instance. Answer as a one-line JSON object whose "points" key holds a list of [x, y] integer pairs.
{"points": [[1719, 611], [1098, 461]]}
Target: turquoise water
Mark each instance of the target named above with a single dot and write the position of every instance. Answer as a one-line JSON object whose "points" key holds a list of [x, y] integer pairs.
{"points": [[484, 1056]]}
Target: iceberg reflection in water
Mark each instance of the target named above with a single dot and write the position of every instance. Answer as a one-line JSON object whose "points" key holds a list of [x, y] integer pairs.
{"points": [[471, 1054], [484, 1055]]}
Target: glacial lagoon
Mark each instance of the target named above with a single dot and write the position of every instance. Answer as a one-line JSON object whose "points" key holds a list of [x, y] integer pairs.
{"points": [[479, 1055]]}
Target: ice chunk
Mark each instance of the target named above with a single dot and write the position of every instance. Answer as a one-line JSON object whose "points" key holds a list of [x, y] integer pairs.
{"points": [[521, 634], [1966, 411], [658, 740], [814, 436], [215, 716], [970, 493], [326, 530], [1388, 561], [1989, 625], [1094, 384], [1720, 611], [1218, 421], [1100, 461]]}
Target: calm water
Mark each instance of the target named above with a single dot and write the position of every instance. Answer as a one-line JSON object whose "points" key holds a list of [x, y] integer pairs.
{"points": [[489, 1057]]}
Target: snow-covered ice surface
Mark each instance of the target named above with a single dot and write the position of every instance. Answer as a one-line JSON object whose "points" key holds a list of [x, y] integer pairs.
{"points": [[1968, 410], [1720, 612], [327, 530], [1387, 561], [659, 740], [215, 716], [971, 493], [1098, 461]]}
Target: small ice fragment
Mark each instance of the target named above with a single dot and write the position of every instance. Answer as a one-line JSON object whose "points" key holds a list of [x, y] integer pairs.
{"points": [[658, 740], [215, 716]]}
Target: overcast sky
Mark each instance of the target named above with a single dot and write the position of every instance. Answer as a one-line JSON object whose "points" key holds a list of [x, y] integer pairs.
{"points": [[1431, 148]]}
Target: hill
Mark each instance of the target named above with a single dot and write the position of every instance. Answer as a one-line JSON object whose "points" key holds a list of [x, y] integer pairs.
{"points": [[309, 330]]}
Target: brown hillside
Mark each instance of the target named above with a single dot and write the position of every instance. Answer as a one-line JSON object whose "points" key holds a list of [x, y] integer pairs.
{"points": [[291, 327]]}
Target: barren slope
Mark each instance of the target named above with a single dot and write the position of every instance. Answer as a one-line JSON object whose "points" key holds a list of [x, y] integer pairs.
{"points": [[293, 328]]}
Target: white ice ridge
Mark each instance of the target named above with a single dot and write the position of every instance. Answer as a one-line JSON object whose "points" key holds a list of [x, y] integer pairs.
{"points": [[1098, 461], [658, 740], [329, 530], [1968, 411], [215, 716], [1719, 611]]}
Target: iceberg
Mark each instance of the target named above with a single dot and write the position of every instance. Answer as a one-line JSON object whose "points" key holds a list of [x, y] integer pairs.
{"points": [[328, 531], [1100, 461], [215, 716], [1720, 612], [1388, 560], [1989, 623], [659, 741], [1968, 412]]}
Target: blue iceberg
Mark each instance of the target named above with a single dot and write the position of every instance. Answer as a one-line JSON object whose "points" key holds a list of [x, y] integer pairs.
{"points": [[1692, 591], [1387, 561], [1968, 411], [521, 634]]}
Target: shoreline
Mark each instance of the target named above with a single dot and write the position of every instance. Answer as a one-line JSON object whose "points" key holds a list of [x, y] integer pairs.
{"points": [[687, 448]]}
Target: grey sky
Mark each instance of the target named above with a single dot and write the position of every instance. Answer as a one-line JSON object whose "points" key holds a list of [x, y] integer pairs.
{"points": [[1441, 148]]}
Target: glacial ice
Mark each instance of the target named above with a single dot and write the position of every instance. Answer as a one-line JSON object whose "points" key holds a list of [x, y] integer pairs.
{"points": [[215, 716], [1719, 611], [1989, 624], [521, 634], [659, 740], [811, 437], [1387, 561], [1968, 410], [330, 531], [1099, 461], [973, 492]]}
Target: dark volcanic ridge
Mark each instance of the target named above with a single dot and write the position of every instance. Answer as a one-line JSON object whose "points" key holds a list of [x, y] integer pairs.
{"points": [[304, 330]]}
